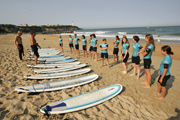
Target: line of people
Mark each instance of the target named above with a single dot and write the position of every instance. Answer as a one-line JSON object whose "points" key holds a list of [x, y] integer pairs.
{"points": [[164, 73]]}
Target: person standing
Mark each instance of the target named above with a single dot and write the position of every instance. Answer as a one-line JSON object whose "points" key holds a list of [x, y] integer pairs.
{"points": [[159, 40], [147, 53], [94, 43], [71, 43], [84, 41], [19, 45], [104, 52], [61, 43], [76, 40], [116, 49], [34, 46], [125, 53], [91, 46], [164, 73]]}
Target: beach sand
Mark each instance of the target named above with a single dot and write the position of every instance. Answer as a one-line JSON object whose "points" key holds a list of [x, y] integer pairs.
{"points": [[133, 103]]}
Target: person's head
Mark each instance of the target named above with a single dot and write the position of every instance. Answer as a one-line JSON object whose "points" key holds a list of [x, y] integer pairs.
{"points": [[136, 39], [90, 36], [104, 40], [19, 33], [93, 36], [166, 50], [124, 40], [33, 33], [117, 37], [150, 40], [75, 35], [70, 36], [60, 36], [83, 37]]}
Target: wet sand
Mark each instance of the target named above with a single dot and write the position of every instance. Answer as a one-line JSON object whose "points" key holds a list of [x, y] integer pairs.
{"points": [[134, 102]]}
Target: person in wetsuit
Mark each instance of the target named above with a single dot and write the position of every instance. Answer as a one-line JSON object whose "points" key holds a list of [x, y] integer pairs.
{"points": [[116, 49], [34, 46], [104, 52], [61, 43], [19, 45]]}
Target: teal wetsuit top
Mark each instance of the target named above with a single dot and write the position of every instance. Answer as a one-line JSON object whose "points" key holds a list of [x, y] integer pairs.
{"points": [[76, 41], [91, 43], [166, 63], [125, 47], [84, 41], [104, 45], [117, 42], [60, 40], [136, 49], [149, 50], [70, 39], [94, 41]]}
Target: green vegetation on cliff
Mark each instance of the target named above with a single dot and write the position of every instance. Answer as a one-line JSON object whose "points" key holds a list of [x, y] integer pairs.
{"points": [[53, 29]]}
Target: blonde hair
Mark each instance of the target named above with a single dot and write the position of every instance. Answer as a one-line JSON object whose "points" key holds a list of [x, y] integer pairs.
{"points": [[151, 41]]}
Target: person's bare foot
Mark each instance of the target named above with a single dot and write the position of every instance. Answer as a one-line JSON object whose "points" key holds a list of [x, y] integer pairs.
{"points": [[101, 66], [147, 86], [124, 72], [159, 98], [143, 83], [157, 93], [132, 74]]}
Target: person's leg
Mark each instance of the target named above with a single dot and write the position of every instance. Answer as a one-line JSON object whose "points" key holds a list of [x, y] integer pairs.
{"points": [[163, 93], [145, 82], [159, 88], [86, 53], [107, 62], [138, 71], [35, 59], [125, 68], [148, 78], [117, 58], [102, 62], [134, 70], [71, 49], [113, 57], [96, 59], [20, 54]]}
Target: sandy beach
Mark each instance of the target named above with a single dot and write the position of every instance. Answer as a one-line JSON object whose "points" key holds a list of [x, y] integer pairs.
{"points": [[133, 103]]}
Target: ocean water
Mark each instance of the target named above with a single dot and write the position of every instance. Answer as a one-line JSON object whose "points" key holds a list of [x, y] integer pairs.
{"points": [[168, 34]]}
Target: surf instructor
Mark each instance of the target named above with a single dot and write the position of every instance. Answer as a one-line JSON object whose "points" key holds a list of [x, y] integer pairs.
{"points": [[34, 46]]}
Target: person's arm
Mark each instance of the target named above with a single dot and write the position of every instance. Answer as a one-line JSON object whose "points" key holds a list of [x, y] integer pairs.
{"points": [[96, 43], [15, 41]]}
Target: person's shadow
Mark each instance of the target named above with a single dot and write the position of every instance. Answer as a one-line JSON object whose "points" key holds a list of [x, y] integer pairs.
{"points": [[177, 117], [169, 83]]}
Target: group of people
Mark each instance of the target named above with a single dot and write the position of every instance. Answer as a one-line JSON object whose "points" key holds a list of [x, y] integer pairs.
{"points": [[164, 73], [34, 45]]}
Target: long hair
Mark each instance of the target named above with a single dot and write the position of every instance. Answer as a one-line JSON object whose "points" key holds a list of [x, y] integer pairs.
{"points": [[126, 41], [167, 49], [117, 37], [151, 41]]}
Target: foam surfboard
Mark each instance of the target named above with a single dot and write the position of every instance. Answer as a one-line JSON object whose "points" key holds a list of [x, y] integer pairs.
{"points": [[59, 75], [60, 65], [82, 101], [58, 61], [54, 56], [51, 53], [55, 70], [52, 59], [58, 85]]}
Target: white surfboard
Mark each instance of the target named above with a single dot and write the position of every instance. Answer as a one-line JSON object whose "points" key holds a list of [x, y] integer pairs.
{"points": [[58, 61], [58, 75], [82, 101], [55, 70], [51, 53], [58, 85], [54, 56], [60, 65], [52, 59]]}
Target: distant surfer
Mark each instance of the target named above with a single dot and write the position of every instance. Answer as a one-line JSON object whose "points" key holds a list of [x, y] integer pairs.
{"points": [[19, 44], [104, 52], [61, 43], [91, 46], [159, 39], [116, 49], [34, 46], [71, 46]]}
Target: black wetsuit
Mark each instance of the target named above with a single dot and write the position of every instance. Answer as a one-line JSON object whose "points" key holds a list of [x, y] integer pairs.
{"points": [[21, 51], [35, 50]]}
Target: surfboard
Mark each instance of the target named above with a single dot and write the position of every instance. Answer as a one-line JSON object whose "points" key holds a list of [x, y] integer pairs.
{"points": [[52, 59], [58, 61], [82, 101], [51, 53], [58, 85], [59, 75], [60, 65], [54, 56], [55, 70]]}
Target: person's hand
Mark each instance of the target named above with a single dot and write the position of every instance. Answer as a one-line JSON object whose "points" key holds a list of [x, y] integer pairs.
{"points": [[143, 49], [161, 80], [159, 72], [122, 57]]}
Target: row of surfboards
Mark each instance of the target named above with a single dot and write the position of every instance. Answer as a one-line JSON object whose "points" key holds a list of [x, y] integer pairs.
{"points": [[57, 65]]}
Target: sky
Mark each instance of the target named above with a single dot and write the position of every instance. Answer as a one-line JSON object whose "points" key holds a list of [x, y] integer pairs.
{"points": [[91, 13]]}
